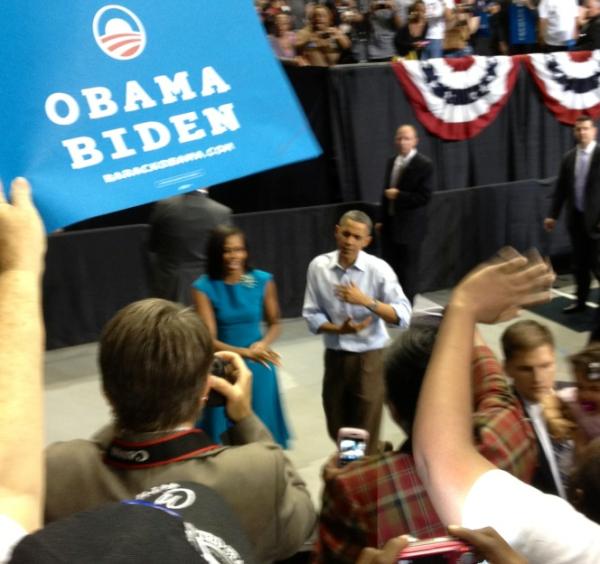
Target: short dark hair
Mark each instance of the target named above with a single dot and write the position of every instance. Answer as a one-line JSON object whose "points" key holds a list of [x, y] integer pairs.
{"points": [[214, 250], [525, 336], [581, 118], [405, 364], [154, 357], [359, 217]]}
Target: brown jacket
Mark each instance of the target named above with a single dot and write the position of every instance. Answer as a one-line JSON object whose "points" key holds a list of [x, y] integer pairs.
{"points": [[255, 478]]}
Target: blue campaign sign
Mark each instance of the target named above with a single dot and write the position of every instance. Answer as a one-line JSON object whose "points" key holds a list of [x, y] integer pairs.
{"points": [[107, 106]]}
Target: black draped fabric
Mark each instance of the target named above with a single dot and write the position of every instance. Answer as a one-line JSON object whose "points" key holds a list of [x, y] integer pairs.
{"points": [[308, 183], [525, 141], [91, 274], [468, 226], [354, 111]]}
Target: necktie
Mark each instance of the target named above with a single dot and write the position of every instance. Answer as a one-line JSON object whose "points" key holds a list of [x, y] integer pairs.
{"points": [[580, 179], [394, 180]]}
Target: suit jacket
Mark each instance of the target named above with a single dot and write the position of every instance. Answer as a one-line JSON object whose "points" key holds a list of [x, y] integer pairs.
{"points": [[256, 479], [405, 220], [180, 230], [564, 193], [589, 35]]}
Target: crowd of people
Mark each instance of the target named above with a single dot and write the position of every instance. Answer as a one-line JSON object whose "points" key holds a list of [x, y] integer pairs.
{"points": [[330, 32], [193, 464], [153, 486]]}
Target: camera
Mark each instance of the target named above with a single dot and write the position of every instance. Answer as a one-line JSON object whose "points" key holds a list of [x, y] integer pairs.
{"points": [[221, 369]]}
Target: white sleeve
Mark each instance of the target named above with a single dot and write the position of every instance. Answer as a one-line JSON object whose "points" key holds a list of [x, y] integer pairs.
{"points": [[544, 528], [543, 9], [10, 534]]}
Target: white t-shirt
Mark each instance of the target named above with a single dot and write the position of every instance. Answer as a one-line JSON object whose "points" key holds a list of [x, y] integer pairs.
{"points": [[544, 528], [560, 15], [434, 12], [10, 534]]}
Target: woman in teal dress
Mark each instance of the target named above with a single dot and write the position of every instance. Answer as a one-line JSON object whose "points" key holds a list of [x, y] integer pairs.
{"points": [[233, 300]]}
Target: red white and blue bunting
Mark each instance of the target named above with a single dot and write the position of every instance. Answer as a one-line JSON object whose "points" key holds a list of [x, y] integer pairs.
{"points": [[456, 98], [569, 82]]}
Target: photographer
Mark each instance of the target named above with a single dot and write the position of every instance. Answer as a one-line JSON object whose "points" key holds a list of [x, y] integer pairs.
{"points": [[384, 22], [352, 19], [155, 358], [410, 39], [465, 24], [439, 14], [320, 43]]}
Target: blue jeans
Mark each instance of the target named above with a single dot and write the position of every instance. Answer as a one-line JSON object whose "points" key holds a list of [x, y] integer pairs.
{"points": [[464, 52], [434, 49]]}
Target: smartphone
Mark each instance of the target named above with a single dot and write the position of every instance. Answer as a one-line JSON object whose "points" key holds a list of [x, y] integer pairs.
{"points": [[222, 369], [442, 550], [352, 444]]}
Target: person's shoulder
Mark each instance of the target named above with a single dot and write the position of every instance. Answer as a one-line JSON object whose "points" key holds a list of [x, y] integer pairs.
{"points": [[217, 206], [261, 276], [64, 455], [372, 470], [261, 459], [321, 261], [203, 283], [375, 263], [423, 159]]}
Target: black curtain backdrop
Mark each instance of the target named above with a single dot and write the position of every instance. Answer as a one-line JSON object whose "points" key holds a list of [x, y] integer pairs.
{"points": [[354, 111], [91, 274], [368, 104]]}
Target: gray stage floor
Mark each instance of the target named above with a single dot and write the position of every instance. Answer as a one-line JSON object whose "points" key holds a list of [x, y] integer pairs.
{"points": [[75, 406]]}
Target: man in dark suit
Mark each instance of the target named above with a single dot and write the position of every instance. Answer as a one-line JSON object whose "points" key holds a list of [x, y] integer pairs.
{"points": [[407, 191], [180, 227], [589, 34], [530, 361], [578, 189]]}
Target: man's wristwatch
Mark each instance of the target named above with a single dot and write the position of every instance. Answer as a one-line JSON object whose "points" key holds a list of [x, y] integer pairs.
{"points": [[373, 305]]}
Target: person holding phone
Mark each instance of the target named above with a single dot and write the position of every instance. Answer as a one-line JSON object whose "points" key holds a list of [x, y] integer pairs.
{"points": [[368, 502], [233, 300], [487, 543]]}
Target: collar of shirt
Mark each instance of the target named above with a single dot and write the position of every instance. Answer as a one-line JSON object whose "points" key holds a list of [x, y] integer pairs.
{"points": [[359, 263], [587, 150], [405, 159]]}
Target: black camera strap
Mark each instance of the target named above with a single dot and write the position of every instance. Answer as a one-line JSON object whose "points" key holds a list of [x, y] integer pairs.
{"points": [[177, 446]]}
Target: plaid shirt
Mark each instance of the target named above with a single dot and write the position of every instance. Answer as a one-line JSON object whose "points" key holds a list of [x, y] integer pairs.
{"points": [[381, 497], [370, 502], [502, 432]]}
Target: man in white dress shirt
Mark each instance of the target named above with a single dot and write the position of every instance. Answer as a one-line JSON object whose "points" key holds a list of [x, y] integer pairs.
{"points": [[350, 296]]}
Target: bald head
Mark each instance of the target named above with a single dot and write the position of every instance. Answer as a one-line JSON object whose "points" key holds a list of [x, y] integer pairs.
{"points": [[406, 139]]}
